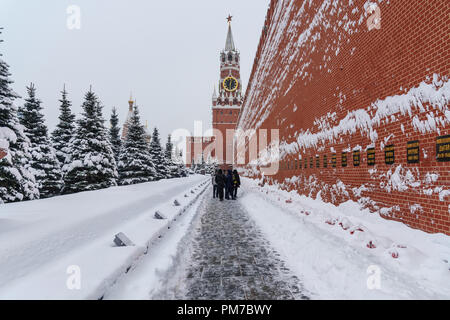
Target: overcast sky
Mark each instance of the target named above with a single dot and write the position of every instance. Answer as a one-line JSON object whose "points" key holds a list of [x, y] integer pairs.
{"points": [[165, 52]]}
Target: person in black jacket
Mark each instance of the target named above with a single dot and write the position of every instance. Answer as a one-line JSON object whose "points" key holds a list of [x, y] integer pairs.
{"points": [[229, 185], [220, 181], [236, 183]]}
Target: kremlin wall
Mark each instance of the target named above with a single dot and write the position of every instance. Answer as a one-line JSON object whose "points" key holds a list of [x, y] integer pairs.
{"points": [[359, 92]]}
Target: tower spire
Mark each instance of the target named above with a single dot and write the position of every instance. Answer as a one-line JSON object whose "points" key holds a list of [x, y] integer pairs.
{"points": [[229, 44], [130, 102], [214, 93]]}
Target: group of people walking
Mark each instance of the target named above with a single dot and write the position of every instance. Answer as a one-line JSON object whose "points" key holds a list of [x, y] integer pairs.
{"points": [[228, 182]]}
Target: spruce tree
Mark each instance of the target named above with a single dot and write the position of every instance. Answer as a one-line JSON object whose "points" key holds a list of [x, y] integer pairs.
{"points": [[114, 136], [178, 160], [65, 129], [44, 163], [16, 181], [135, 164], [91, 164], [171, 167], [157, 156]]}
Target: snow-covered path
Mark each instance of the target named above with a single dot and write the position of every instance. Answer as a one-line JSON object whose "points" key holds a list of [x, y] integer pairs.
{"points": [[231, 259], [222, 255]]}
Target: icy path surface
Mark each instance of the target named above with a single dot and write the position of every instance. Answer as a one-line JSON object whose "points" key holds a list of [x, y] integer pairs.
{"points": [[229, 258]]}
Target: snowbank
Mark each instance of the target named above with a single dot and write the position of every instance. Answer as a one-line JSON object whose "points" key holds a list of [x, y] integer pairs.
{"points": [[336, 250], [45, 244]]}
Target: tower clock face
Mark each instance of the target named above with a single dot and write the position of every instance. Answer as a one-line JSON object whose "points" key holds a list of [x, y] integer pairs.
{"points": [[230, 84]]}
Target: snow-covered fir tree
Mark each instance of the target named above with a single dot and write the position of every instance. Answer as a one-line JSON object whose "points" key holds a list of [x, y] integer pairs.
{"points": [[114, 137], [212, 164], [16, 181], [135, 163], [157, 155], [178, 160], [91, 164], [200, 165], [65, 128], [44, 164], [171, 167]]}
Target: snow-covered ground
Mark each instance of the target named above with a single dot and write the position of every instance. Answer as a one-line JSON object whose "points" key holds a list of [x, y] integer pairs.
{"points": [[343, 252], [46, 244], [336, 252]]}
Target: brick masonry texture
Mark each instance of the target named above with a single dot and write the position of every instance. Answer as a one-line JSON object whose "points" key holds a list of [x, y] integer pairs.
{"points": [[332, 86]]}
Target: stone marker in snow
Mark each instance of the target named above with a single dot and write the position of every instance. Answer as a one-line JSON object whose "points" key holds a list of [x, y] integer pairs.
{"points": [[159, 215], [176, 203], [121, 240]]}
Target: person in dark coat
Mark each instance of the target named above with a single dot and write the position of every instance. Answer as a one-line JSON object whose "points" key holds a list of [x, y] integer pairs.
{"points": [[220, 181], [236, 183], [229, 185], [213, 181]]}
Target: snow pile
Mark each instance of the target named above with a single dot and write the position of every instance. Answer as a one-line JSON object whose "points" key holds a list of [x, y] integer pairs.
{"points": [[43, 241], [333, 249]]}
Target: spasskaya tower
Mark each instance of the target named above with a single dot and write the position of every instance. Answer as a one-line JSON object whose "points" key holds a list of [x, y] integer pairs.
{"points": [[227, 102]]}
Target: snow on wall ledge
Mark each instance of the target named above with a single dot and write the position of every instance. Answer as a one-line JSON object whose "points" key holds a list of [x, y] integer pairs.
{"points": [[362, 114]]}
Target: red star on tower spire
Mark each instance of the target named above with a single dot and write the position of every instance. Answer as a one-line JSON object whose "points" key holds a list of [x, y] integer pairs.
{"points": [[229, 18]]}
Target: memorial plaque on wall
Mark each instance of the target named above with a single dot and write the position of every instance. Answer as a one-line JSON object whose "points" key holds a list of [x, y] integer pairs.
{"points": [[356, 158], [325, 161], [443, 148], [296, 164], [412, 151], [344, 159], [389, 154], [306, 163], [311, 162], [371, 156], [333, 160], [317, 162]]}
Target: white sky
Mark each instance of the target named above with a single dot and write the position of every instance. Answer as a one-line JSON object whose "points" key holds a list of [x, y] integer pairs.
{"points": [[165, 52]]}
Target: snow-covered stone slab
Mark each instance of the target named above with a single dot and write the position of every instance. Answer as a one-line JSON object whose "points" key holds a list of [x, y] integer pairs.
{"points": [[176, 203], [159, 215], [121, 240]]}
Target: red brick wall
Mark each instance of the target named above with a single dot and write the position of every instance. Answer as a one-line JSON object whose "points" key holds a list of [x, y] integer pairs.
{"points": [[329, 84]]}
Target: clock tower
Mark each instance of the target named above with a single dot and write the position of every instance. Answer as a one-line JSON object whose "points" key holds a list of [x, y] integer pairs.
{"points": [[227, 101]]}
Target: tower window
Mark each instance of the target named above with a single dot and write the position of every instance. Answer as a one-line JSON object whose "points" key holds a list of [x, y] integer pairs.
{"points": [[230, 57]]}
